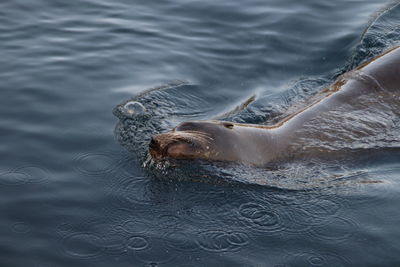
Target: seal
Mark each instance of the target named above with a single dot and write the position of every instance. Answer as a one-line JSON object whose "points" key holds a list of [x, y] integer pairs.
{"points": [[259, 145]]}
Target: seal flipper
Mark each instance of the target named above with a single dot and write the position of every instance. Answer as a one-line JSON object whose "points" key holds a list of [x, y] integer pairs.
{"points": [[237, 109]]}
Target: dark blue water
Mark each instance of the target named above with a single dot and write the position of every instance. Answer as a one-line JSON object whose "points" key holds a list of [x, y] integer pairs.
{"points": [[72, 196]]}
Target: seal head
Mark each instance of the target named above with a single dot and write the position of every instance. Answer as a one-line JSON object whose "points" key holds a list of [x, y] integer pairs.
{"points": [[210, 140]]}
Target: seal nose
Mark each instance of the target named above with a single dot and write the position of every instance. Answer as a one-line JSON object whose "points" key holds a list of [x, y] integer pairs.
{"points": [[153, 144]]}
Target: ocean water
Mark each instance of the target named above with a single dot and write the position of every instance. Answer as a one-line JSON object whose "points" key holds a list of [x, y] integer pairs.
{"points": [[72, 195]]}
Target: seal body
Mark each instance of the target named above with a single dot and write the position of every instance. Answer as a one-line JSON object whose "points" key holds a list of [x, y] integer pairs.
{"points": [[372, 84]]}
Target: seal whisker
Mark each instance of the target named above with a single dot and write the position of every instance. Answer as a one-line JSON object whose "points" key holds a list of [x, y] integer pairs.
{"points": [[194, 136]]}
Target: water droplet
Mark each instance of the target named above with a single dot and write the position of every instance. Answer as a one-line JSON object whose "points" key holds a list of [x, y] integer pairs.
{"points": [[133, 108]]}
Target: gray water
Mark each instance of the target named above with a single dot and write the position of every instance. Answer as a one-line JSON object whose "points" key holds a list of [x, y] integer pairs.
{"points": [[71, 195]]}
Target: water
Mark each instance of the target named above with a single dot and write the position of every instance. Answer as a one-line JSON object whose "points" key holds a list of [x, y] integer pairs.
{"points": [[72, 196]]}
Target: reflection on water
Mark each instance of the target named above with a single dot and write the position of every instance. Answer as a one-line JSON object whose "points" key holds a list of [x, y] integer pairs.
{"points": [[71, 196]]}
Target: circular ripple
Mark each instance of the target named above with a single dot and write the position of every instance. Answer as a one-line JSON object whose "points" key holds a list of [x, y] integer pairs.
{"points": [[21, 228], [83, 245], [35, 174], [155, 253], [134, 226], [260, 218], [65, 229], [13, 178], [23, 175], [299, 219], [220, 241], [316, 260], [137, 243], [114, 243], [180, 241], [196, 214], [322, 207], [337, 230], [96, 163], [311, 258], [169, 222], [136, 190]]}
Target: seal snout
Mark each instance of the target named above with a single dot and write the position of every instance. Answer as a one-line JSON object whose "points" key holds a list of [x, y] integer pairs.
{"points": [[155, 147], [160, 145], [154, 144], [176, 145]]}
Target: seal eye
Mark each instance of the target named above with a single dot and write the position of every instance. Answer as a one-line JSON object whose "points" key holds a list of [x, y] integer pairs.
{"points": [[228, 125]]}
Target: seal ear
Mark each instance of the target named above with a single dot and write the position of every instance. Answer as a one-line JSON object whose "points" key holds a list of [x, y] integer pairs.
{"points": [[228, 125]]}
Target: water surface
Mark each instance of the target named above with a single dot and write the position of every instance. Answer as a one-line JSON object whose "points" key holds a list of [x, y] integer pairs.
{"points": [[72, 196]]}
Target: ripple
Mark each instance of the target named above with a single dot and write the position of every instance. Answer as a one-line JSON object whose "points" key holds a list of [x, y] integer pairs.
{"points": [[134, 226], [260, 218], [299, 211], [338, 229], [324, 207], [13, 178], [96, 163], [82, 240], [221, 241], [156, 252], [23, 175], [36, 174], [299, 219], [181, 241], [83, 245], [135, 190], [169, 221], [124, 222], [316, 260], [21, 228], [212, 215], [312, 258], [313, 212], [137, 243], [115, 243], [65, 229]]}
